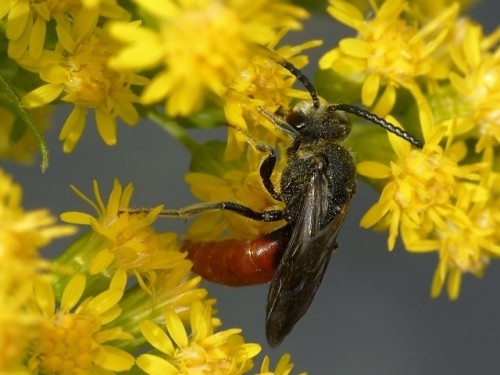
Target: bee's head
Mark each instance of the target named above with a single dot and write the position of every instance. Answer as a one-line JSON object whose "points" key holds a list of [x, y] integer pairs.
{"points": [[323, 122]]}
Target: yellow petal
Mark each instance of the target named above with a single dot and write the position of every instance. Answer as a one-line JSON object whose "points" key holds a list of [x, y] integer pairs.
{"points": [[42, 95], [37, 38], [370, 89], [423, 246], [45, 298], [105, 300], [85, 21], [17, 19], [473, 51], [119, 280], [18, 47], [356, 48], [157, 337], [374, 214], [346, 13], [114, 359], [73, 128], [142, 56], [73, 292], [127, 112], [65, 38], [326, 61], [110, 315], [103, 259], [393, 229], [437, 283], [154, 365], [399, 145], [106, 125], [55, 74], [373, 169], [386, 102], [454, 282], [176, 328], [75, 217], [157, 88], [160, 8], [130, 32]]}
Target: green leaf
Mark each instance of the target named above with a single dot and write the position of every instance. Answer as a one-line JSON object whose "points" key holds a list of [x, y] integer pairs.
{"points": [[209, 158], [335, 88], [369, 142], [208, 118], [24, 121]]}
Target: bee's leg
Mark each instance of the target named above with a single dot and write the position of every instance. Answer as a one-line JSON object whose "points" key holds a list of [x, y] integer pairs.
{"points": [[267, 165], [267, 168], [200, 208], [283, 126], [280, 123]]}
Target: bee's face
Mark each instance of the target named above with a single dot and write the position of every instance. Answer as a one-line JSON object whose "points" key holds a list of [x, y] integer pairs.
{"points": [[315, 124]]}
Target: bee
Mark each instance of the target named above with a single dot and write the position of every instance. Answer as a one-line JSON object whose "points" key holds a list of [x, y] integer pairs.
{"points": [[316, 185]]}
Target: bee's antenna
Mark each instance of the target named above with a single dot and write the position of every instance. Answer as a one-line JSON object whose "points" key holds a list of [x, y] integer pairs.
{"points": [[297, 73], [378, 121], [342, 107], [302, 79]]}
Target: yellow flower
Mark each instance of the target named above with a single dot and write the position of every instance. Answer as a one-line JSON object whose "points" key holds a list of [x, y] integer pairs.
{"points": [[468, 237], [17, 279], [71, 338], [200, 352], [419, 9], [123, 241], [23, 149], [199, 47], [283, 367], [22, 233], [421, 188], [441, 202], [242, 185], [77, 69], [466, 243], [439, 198], [390, 51], [173, 290], [27, 20], [478, 83], [263, 83], [425, 9]]}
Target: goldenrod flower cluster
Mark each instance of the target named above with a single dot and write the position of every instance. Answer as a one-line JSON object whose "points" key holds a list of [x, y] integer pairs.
{"points": [[78, 315], [122, 297], [436, 72]]}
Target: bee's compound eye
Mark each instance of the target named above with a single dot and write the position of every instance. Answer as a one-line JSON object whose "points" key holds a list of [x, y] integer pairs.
{"points": [[297, 119]]}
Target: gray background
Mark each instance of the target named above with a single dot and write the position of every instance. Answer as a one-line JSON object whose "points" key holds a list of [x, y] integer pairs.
{"points": [[372, 314]]}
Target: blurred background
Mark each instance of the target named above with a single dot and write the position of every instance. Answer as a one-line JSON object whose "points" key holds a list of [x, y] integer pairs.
{"points": [[373, 313]]}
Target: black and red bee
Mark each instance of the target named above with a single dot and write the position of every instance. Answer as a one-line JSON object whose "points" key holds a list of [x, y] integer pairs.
{"points": [[316, 185]]}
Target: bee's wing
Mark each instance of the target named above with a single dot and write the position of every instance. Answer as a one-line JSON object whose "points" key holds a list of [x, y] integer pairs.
{"points": [[304, 261]]}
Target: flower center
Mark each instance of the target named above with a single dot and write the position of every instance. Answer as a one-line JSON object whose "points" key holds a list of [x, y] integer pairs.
{"points": [[65, 344], [392, 57], [207, 42], [199, 360], [424, 182]]}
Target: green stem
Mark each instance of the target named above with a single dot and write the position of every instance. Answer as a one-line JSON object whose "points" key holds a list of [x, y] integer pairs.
{"points": [[172, 127], [10, 100]]}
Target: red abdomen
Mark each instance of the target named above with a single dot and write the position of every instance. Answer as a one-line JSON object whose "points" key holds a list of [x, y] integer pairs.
{"points": [[235, 262]]}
